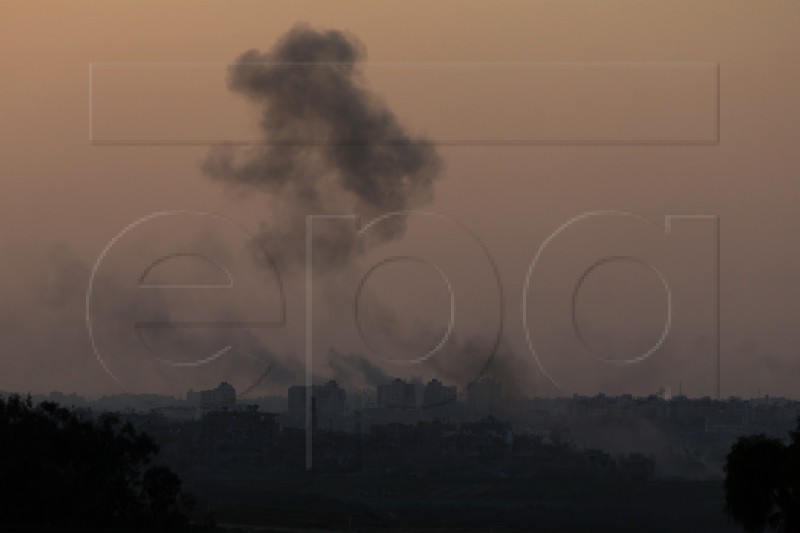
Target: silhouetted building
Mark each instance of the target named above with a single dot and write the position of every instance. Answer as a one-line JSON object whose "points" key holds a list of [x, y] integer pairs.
{"points": [[435, 393], [363, 399], [296, 399], [329, 404], [330, 398], [397, 395], [222, 397]]}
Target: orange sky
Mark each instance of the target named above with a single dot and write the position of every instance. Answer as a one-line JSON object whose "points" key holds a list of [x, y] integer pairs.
{"points": [[62, 194]]}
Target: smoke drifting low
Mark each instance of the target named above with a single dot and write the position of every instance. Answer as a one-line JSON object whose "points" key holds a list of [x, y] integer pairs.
{"points": [[331, 146]]}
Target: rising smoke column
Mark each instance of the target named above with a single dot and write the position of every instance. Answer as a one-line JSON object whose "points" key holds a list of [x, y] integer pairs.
{"points": [[331, 146]]}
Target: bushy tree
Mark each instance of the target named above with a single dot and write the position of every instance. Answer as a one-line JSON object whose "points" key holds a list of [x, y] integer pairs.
{"points": [[762, 483], [57, 470]]}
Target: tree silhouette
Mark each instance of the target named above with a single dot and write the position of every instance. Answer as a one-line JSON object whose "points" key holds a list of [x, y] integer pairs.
{"points": [[762, 483], [57, 470]]}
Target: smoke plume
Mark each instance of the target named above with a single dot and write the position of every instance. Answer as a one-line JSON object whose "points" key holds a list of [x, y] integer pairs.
{"points": [[330, 145]]}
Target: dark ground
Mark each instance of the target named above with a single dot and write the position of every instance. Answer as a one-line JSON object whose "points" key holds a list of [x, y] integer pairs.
{"points": [[340, 502]]}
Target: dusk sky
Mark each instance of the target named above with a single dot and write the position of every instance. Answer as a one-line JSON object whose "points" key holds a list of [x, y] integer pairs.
{"points": [[523, 116]]}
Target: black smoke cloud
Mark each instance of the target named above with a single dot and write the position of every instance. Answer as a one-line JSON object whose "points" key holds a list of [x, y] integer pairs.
{"points": [[331, 146]]}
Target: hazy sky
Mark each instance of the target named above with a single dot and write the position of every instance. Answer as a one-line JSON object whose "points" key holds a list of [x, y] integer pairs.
{"points": [[608, 71]]}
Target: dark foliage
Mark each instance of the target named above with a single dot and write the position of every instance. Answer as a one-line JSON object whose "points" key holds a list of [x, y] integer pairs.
{"points": [[762, 483], [57, 470]]}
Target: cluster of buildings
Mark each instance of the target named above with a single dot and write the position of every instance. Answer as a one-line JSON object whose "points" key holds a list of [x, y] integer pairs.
{"points": [[396, 394], [437, 423], [396, 401], [218, 399]]}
